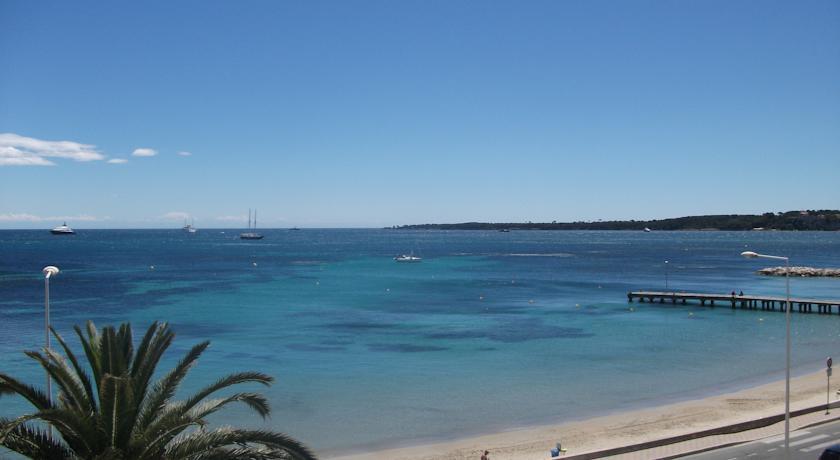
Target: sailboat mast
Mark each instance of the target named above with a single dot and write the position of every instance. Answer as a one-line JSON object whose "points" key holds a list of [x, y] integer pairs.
{"points": [[249, 218], [255, 219]]}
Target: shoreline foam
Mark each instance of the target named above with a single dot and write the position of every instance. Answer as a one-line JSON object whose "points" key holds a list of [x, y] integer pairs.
{"points": [[623, 428]]}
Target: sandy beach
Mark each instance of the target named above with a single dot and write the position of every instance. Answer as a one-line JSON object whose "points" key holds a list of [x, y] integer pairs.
{"points": [[624, 428]]}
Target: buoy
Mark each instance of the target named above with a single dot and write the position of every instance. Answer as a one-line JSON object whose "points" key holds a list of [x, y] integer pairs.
{"points": [[255, 264], [151, 267], [481, 297]]}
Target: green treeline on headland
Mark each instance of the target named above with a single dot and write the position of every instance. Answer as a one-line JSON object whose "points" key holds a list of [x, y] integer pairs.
{"points": [[825, 220]]}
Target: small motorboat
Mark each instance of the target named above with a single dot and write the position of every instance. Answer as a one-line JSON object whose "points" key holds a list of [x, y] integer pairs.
{"points": [[407, 258]]}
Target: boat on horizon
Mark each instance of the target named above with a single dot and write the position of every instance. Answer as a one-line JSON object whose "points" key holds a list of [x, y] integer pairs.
{"points": [[251, 235], [63, 230], [647, 229], [188, 228]]}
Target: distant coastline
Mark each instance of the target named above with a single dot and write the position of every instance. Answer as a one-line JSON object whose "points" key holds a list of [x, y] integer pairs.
{"points": [[820, 220]]}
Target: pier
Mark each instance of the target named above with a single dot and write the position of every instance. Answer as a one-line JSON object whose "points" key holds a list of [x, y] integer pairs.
{"points": [[746, 302]]}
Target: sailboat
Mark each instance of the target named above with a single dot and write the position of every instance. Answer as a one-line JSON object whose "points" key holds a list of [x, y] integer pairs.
{"points": [[251, 235], [188, 228]]}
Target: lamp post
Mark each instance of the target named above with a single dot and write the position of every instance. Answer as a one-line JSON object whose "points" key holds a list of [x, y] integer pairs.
{"points": [[48, 271], [753, 255], [666, 275]]}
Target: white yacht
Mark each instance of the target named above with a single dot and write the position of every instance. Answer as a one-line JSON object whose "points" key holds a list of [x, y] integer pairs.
{"points": [[62, 230], [407, 258]]}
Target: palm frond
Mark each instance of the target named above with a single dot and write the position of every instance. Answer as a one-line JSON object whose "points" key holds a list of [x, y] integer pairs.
{"points": [[78, 432], [90, 345], [255, 401], [206, 442], [80, 372], [165, 388], [65, 378], [116, 418], [227, 381], [32, 442], [36, 397], [152, 447]]}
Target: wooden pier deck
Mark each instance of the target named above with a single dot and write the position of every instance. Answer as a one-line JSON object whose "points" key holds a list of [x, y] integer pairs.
{"points": [[747, 302]]}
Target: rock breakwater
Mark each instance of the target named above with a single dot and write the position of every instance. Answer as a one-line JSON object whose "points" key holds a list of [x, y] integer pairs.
{"points": [[801, 271]]}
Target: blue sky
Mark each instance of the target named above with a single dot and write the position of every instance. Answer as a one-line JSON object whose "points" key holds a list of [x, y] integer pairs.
{"points": [[361, 113]]}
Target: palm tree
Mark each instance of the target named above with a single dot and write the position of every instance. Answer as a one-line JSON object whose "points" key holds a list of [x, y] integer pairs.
{"points": [[115, 412]]}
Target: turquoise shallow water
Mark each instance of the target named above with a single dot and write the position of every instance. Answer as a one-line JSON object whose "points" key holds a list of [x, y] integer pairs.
{"points": [[491, 331]]}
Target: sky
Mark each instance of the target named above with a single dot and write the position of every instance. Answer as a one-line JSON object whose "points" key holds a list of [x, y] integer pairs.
{"points": [[376, 113]]}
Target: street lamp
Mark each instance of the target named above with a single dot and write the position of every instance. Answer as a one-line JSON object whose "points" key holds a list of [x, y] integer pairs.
{"points": [[753, 255], [48, 271]]}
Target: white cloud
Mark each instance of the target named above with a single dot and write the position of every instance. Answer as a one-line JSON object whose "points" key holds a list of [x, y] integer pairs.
{"points": [[23, 217], [185, 154], [175, 215], [117, 161], [16, 150], [144, 152], [10, 156]]}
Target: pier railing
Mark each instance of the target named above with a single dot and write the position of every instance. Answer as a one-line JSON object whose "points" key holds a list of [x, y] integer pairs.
{"points": [[747, 302]]}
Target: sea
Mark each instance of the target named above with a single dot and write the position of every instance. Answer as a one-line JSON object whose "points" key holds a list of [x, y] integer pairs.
{"points": [[491, 331]]}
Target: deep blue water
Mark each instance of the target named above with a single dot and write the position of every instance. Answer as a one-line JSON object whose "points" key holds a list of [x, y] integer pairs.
{"points": [[491, 331]]}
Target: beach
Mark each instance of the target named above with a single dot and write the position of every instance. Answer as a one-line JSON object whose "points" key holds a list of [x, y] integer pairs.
{"points": [[624, 428]]}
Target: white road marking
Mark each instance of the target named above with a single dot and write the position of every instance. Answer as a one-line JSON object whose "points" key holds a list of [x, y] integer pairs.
{"points": [[807, 440], [781, 437], [819, 446], [771, 450], [752, 454]]}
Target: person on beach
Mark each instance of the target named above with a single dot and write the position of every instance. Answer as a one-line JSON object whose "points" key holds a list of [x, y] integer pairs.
{"points": [[486, 455], [741, 294]]}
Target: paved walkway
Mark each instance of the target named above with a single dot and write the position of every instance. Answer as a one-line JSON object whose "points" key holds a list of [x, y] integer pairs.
{"points": [[695, 445]]}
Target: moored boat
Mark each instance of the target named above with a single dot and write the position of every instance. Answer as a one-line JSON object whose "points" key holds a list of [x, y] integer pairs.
{"points": [[62, 230], [251, 235]]}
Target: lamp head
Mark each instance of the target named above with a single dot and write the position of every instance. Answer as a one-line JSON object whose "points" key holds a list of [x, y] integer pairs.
{"points": [[749, 254], [50, 270]]}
